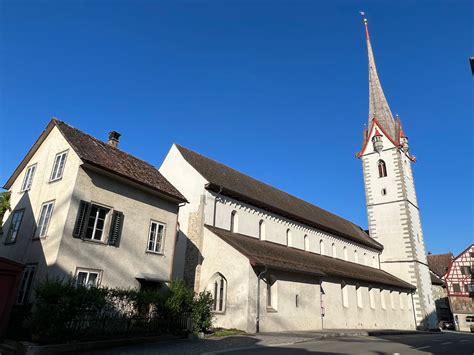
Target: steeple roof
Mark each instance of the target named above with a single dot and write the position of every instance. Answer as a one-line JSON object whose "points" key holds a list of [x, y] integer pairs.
{"points": [[378, 105]]}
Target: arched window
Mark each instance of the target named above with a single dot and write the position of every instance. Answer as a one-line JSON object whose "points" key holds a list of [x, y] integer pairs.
{"points": [[261, 230], [306, 242], [382, 168], [334, 250], [321, 247], [234, 222], [365, 259], [356, 257], [288, 237], [272, 300], [374, 262], [345, 253], [218, 288]]}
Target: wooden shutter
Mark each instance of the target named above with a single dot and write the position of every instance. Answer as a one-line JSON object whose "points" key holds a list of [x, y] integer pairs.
{"points": [[81, 219], [115, 231]]}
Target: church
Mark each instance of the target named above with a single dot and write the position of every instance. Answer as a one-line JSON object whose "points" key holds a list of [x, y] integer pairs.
{"points": [[274, 262]]}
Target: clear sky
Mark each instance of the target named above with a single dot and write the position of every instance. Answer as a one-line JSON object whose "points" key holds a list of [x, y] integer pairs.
{"points": [[276, 89]]}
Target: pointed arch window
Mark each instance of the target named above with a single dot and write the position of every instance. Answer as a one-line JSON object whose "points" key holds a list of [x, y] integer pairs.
{"points": [[218, 288], [261, 230], [234, 222], [382, 168]]}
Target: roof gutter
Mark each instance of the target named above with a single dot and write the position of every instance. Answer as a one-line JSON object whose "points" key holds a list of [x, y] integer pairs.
{"points": [[257, 318]]}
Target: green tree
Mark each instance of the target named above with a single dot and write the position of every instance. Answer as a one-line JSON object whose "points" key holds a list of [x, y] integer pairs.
{"points": [[4, 206]]}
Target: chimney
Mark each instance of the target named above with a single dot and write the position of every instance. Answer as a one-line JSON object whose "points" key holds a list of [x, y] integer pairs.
{"points": [[114, 138]]}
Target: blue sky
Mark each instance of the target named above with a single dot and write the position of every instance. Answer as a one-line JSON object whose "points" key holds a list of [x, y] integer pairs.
{"points": [[276, 89]]}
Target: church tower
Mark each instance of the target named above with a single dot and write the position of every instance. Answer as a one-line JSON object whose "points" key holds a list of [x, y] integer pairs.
{"points": [[392, 207]]}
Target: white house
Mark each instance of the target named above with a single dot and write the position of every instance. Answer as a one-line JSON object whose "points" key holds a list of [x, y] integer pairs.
{"points": [[314, 269], [86, 209]]}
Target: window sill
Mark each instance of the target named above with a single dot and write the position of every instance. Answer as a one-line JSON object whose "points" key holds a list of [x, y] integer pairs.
{"points": [[58, 179], [10, 242], [155, 253], [271, 310], [96, 242], [218, 312]]}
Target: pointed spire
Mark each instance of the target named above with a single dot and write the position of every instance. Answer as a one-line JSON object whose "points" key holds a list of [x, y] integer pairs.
{"points": [[378, 105]]}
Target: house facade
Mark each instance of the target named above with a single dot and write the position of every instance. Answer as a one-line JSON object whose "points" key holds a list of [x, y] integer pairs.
{"points": [[83, 208], [460, 284], [275, 262]]}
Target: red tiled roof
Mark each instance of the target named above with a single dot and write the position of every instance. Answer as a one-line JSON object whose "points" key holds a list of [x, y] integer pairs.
{"points": [[439, 263]]}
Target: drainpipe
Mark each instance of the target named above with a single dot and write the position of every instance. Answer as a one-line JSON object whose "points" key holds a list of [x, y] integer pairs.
{"points": [[414, 311], [215, 206], [257, 319]]}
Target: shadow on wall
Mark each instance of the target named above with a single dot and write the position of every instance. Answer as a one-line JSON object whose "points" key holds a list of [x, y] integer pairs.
{"points": [[193, 261], [429, 319]]}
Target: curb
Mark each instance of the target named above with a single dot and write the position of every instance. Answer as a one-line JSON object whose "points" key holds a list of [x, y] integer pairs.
{"points": [[321, 336]]}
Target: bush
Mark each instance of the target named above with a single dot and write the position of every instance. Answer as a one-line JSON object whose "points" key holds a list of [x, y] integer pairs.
{"points": [[64, 311], [201, 313], [180, 298]]}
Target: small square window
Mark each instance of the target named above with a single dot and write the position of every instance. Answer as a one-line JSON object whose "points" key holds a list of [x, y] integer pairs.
{"points": [[28, 179], [87, 278], [384, 192], [58, 166], [155, 237], [456, 288]]}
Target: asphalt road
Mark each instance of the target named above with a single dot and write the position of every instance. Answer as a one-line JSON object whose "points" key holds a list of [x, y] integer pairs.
{"points": [[441, 343]]}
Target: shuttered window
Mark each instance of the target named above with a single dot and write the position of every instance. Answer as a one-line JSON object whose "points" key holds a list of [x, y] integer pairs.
{"points": [[116, 228], [82, 216], [91, 223]]}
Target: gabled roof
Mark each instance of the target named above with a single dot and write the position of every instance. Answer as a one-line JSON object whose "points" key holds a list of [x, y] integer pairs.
{"points": [[435, 280], [103, 156], [281, 257], [439, 263], [235, 184]]}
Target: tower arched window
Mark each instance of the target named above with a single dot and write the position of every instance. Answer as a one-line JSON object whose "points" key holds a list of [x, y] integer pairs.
{"points": [[321, 247], [334, 250], [356, 256], [261, 230], [382, 168], [306, 242], [234, 222], [288, 237], [345, 253]]}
